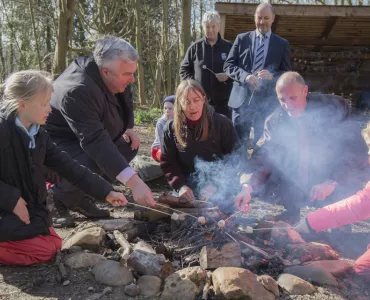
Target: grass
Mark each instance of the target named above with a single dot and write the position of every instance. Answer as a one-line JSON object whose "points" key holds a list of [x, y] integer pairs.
{"points": [[147, 116]]}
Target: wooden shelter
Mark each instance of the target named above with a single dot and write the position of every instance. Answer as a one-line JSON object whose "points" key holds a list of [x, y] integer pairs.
{"points": [[329, 44]]}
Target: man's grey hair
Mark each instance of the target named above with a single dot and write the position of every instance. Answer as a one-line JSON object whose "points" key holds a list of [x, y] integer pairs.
{"points": [[110, 48], [210, 16], [264, 5]]}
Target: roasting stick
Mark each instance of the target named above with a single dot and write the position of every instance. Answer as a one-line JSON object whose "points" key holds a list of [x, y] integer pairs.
{"points": [[200, 219], [221, 224], [206, 68], [264, 253], [146, 207], [274, 228]]}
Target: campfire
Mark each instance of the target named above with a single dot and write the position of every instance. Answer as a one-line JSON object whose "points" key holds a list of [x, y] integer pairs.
{"points": [[195, 250]]}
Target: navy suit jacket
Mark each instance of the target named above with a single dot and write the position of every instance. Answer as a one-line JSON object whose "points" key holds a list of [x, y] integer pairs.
{"points": [[239, 64]]}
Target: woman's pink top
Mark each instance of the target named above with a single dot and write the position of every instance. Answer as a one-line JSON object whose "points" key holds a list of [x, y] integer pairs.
{"points": [[350, 210]]}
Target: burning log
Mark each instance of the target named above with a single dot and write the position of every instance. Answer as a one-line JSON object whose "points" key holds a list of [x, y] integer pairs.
{"points": [[310, 251], [181, 202], [227, 256], [145, 263], [126, 248], [174, 201], [149, 215]]}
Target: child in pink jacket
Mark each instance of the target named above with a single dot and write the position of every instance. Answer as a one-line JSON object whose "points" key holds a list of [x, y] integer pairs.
{"points": [[350, 210]]}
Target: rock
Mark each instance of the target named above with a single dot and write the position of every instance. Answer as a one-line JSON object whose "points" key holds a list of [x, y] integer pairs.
{"points": [[146, 167], [286, 236], [107, 290], [145, 263], [313, 274], [144, 246], [132, 290], [226, 256], [238, 283], [89, 238], [295, 285], [115, 224], [178, 288], [66, 282], [310, 251], [150, 285], [335, 267], [110, 272], [97, 296], [90, 289], [195, 274], [74, 249], [270, 284], [83, 260]]}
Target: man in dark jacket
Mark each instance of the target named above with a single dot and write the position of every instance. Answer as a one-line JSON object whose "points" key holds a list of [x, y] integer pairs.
{"points": [[311, 151], [92, 120], [204, 61], [255, 62]]}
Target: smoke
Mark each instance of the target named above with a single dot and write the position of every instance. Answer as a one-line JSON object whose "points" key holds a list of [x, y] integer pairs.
{"points": [[222, 173], [294, 155]]}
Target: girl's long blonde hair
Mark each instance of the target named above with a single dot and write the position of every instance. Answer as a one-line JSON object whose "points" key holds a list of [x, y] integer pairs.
{"points": [[22, 85], [179, 121]]}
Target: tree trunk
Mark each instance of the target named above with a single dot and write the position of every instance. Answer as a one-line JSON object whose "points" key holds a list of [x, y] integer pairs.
{"points": [[48, 47], [158, 80], [140, 71], [165, 47], [185, 26], [2, 59], [65, 22], [35, 33], [178, 48], [201, 16]]}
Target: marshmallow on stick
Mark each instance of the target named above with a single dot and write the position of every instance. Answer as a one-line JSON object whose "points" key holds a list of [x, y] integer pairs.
{"points": [[202, 220]]}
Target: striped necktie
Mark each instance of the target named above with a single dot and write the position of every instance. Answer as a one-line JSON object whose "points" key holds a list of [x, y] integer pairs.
{"points": [[258, 61]]}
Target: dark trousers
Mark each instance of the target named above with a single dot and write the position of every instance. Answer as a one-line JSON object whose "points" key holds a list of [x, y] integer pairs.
{"points": [[253, 112], [69, 194]]}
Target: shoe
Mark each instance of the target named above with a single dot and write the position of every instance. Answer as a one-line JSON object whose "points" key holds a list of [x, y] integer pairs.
{"points": [[287, 216], [59, 212], [88, 208]]}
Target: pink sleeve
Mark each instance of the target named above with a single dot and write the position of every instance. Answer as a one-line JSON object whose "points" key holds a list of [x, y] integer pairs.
{"points": [[350, 210]]}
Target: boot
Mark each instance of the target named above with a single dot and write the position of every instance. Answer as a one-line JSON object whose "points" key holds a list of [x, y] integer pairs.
{"points": [[59, 212], [88, 208]]}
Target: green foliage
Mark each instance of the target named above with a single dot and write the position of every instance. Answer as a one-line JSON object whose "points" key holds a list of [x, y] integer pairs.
{"points": [[147, 116]]}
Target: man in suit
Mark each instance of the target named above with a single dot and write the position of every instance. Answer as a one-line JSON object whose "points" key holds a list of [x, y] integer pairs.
{"points": [[255, 62]]}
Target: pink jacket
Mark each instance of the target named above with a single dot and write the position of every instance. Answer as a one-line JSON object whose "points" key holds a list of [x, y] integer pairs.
{"points": [[350, 210]]}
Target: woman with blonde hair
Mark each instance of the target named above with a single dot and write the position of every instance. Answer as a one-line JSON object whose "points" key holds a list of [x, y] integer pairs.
{"points": [[196, 131], [26, 235]]}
